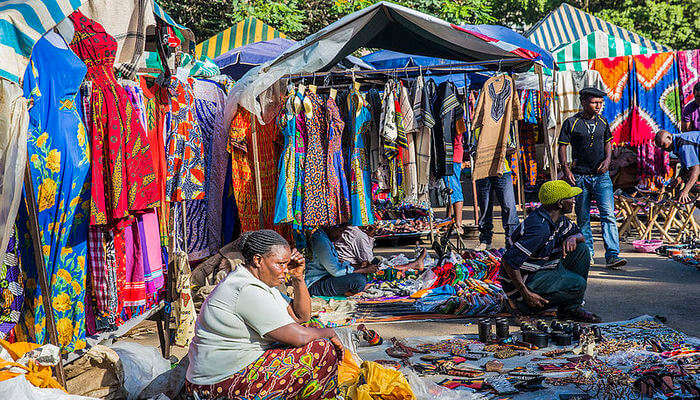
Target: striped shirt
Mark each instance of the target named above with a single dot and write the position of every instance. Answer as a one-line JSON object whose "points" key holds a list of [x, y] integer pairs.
{"points": [[537, 245]]}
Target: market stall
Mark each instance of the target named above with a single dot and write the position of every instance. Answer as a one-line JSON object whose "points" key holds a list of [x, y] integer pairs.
{"points": [[116, 202], [552, 359]]}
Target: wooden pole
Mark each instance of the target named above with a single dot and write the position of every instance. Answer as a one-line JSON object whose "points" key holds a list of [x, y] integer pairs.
{"points": [[556, 127], [521, 189], [256, 166], [543, 128], [46, 297]]}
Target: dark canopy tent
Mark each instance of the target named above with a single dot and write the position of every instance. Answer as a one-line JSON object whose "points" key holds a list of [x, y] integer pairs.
{"points": [[386, 26], [235, 63]]}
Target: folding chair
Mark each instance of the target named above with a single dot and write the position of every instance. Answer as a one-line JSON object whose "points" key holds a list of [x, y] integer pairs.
{"points": [[630, 207]]}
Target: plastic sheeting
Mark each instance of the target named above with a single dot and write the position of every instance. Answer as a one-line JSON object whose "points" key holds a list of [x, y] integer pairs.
{"points": [[13, 155], [382, 25]]}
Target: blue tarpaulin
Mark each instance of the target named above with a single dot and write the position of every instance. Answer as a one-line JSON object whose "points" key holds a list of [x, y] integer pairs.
{"points": [[235, 63]]}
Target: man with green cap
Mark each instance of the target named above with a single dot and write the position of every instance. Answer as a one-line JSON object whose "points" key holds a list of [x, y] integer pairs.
{"points": [[547, 265]]}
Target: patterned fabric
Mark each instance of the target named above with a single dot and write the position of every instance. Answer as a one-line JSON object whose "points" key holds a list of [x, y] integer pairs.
{"points": [[657, 104], [151, 251], [653, 164], [97, 264], [339, 200], [157, 107], [300, 162], [196, 228], [317, 204], [309, 372], [410, 181], [241, 175], [284, 200], [11, 287], [360, 183], [209, 105], [267, 158], [59, 162], [185, 150], [424, 123], [122, 168], [617, 107], [134, 288], [689, 68]]}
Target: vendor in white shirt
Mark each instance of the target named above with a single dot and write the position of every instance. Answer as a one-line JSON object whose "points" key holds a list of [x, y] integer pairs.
{"points": [[249, 341]]}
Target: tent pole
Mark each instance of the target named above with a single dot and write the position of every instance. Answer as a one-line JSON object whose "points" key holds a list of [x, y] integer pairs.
{"points": [[555, 171], [256, 166], [542, 128], [46, 297], [475, 200]]}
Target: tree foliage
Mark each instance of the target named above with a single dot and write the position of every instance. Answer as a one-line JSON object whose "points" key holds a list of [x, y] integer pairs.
{"points": [[671, 22]]}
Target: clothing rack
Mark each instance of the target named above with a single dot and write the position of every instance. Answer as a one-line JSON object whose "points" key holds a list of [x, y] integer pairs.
{"points": [[445, 69], [158, 313]]}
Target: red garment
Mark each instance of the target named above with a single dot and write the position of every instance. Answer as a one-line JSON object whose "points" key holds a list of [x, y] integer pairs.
{"points": [[157, 104], [242, 176], [123, 179]]}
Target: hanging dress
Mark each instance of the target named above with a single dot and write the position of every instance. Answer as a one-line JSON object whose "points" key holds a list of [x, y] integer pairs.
{"points": [[241, 175], [316, 200], [284, 200], [11, 286], [360, 183], [300, 162], [123, 179], [337, 181], [59, 162], [209, 105]]}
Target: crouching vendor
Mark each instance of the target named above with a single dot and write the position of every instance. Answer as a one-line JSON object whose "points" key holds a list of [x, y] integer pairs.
{"points": [[547, 265], [249, 342], [327, 275]]}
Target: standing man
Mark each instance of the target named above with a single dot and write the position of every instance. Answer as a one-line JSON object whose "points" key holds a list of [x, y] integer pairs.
{"points": [[690, 116], [590, 138]]}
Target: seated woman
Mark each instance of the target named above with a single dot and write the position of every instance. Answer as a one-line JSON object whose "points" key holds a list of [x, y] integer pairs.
{"points": [[232, 354]]}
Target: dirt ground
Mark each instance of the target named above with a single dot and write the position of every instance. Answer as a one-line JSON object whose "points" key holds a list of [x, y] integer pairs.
{"points": [[650, 285]]}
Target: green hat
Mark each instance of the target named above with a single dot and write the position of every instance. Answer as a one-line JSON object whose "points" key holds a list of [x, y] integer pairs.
{"points": [[553, 191]]}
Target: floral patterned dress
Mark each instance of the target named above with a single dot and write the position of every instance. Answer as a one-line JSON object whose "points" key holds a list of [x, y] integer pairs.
{"points": [[59, 161]]}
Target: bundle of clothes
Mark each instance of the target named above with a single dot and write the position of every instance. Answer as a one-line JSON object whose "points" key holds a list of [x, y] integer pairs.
{"points": [[458, 285]]}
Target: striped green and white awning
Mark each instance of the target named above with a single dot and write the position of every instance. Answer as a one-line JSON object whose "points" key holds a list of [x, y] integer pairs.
{"points": [[250, 30], [574, 56], [567, 24], [23, 23]]}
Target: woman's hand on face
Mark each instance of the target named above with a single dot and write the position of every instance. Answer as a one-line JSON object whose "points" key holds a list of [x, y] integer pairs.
{"points": [[297, 265]]}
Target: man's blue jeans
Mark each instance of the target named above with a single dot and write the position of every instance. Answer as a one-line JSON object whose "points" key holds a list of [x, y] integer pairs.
{"points": [[502, 188], [600, 189]]}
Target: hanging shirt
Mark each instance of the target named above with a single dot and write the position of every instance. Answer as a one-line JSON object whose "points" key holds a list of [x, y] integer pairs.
{"points": [[498, 106]]}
